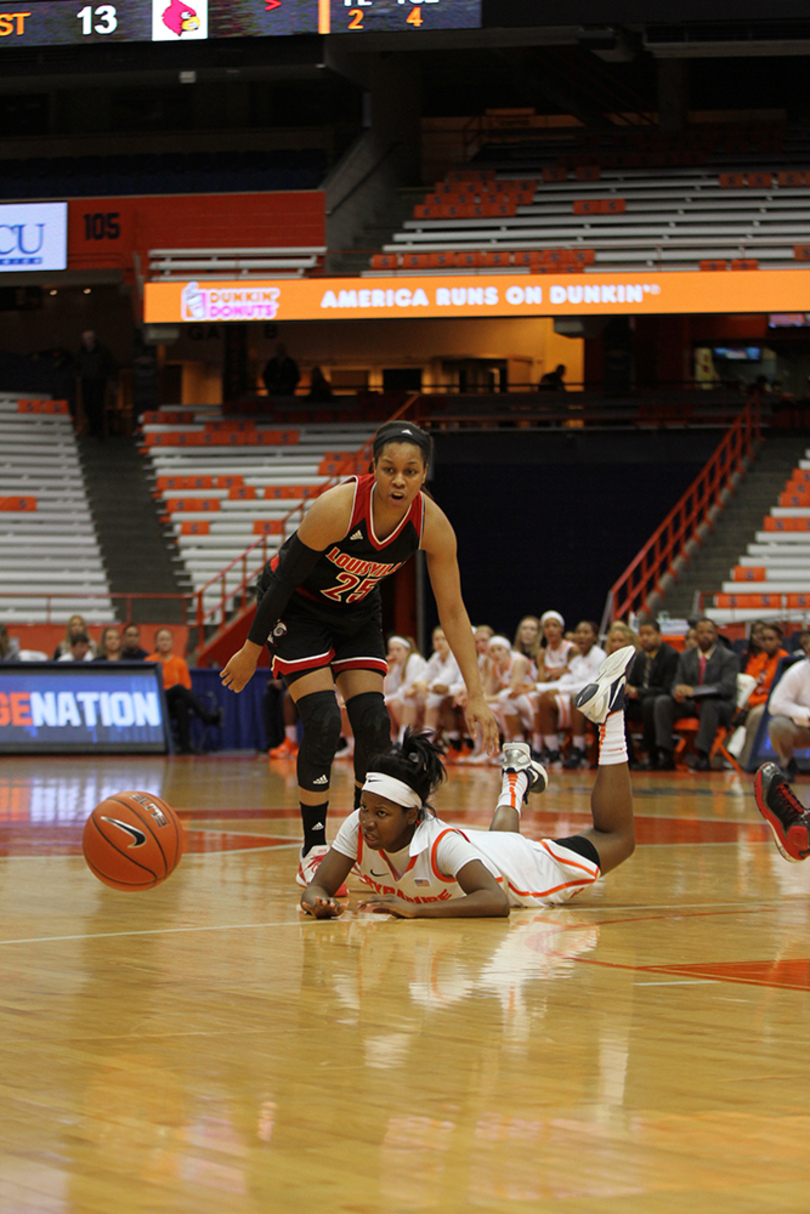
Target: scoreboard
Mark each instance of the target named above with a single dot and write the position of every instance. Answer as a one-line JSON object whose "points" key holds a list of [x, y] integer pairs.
{"points": [[57, 22]]}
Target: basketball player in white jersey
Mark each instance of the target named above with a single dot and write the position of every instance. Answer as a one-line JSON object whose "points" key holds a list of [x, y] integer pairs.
{"points": [[420, 867]]}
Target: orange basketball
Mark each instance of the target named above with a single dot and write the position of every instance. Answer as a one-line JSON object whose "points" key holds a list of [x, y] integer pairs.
{"points": [[132, 841]]}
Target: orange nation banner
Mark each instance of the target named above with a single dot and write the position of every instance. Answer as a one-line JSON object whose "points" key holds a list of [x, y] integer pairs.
{"points": [[634, 293]]}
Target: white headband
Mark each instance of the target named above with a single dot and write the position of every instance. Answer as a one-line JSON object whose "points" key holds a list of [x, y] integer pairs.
{"points": [[399, 641], [392, 789], [502, 641], [552, 615]]}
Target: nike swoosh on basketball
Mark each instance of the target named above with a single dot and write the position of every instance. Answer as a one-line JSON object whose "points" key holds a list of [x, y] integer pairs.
{"points": [[137, 836]]}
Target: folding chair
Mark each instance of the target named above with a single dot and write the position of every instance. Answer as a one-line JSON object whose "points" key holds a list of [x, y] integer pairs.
{"points": [[689, 726]]}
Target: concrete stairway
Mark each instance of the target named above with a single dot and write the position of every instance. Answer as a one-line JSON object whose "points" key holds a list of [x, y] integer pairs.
{"points": [[376, 233], [136, 555], [736, 525]]}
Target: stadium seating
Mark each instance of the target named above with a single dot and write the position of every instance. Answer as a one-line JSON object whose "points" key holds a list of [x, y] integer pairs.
{"points": [[224, 482], [773, 577], [669, 210], [47, 540]]}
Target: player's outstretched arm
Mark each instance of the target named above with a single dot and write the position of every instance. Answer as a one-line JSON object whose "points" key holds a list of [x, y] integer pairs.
{"points": [[484, 899], [318, 899]]}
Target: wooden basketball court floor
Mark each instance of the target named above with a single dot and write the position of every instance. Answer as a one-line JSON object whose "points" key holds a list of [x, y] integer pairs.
{"points": [[203, 1048]]}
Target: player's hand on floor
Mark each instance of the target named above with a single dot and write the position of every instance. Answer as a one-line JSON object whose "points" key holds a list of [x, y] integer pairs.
{"points": [[323, 908], [388, 904]]}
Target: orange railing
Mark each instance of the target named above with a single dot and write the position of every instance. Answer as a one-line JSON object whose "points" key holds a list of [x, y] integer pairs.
{"points": [[236, 599], [643, 575]]}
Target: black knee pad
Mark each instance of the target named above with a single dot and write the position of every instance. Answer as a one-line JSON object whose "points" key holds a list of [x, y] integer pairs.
{"points": [[371, 726], [320, 719]]}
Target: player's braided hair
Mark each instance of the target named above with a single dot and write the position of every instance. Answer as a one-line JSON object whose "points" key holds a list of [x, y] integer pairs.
{"points": [[417, 762]]}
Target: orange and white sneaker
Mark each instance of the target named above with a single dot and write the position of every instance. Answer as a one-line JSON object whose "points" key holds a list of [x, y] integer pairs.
{"points": [[309, 864], [517, 761], [287, 750]]}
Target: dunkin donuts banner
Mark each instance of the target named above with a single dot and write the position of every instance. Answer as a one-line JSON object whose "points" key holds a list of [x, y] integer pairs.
{"points": [[478, 295]]}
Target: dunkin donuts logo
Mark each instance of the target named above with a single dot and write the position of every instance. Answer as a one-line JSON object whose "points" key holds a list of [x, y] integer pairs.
{"points": [[229, 303]]}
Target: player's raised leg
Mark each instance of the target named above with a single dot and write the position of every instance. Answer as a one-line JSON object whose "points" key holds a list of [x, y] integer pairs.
{"points": [[613, 831], [784, 813], [521, 775]]}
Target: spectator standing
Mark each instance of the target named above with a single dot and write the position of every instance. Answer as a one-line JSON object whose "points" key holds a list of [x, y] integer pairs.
{"points": [[789, 706], [180, 699], [320, 389], [652, 674], [131, 645], [281, 375], [95, 367], [705, 686]]}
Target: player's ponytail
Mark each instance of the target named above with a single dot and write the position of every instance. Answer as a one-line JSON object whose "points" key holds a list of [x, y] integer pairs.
{"points": [[417, 762]]}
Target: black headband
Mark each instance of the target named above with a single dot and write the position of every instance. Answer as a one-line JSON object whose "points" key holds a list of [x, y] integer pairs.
{"points": [[403, 432]]}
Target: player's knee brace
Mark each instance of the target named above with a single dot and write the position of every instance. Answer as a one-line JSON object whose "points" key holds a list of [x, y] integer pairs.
{"points": [[320, 719], [371, 726]]}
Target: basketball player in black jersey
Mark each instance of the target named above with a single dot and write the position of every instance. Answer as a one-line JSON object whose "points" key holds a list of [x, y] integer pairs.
{"points": [[320, 613]]}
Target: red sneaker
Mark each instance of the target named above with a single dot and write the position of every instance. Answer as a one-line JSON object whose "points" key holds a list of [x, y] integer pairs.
{"points": [[784, 813]]}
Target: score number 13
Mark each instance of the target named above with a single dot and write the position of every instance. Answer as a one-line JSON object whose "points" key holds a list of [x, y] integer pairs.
{"points": [[106, 19]]}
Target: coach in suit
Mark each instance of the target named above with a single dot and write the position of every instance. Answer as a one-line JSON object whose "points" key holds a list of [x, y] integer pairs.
{"points": [[651, 675], [705, 686]]}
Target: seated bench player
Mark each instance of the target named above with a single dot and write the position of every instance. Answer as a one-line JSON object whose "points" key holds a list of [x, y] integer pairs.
{"points": [[421, 867]]}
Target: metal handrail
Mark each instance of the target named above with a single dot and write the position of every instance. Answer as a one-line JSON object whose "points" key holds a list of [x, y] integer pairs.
{"points": [[681, 526]]}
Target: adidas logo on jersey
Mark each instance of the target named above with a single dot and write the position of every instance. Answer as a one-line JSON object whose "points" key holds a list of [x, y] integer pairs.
{"points": [[358, 535], [321, 780]]}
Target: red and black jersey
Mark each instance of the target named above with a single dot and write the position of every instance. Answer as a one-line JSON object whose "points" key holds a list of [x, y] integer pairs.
{"points": [[350, 570]]}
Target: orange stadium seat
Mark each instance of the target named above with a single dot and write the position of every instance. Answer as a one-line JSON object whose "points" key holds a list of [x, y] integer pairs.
{"points": [[801, 252], [796, 498], [42, 406], [196, 528], [415, 261], [18, 505], [792, 177], [227, 482], [750, 573], [786, 524], [555, 173], [268, 527], [440, 260], [453, 210], [185, 482], [731, 181], [714, 263], [469, 259], [759, 180], [744, 263], [588, 172], [385, 261], [527, 257], [242, 493], [498, 259], [176, 505], [276, 493]]}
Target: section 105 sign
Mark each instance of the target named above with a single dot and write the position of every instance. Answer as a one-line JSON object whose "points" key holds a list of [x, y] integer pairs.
{"points": [[33, 236]]}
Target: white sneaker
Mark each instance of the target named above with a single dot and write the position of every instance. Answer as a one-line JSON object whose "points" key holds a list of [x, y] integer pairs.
{"points": [[598, 700], [308, 866], [517, 756]]}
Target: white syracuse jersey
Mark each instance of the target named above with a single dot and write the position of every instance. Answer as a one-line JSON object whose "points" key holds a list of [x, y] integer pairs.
{"points": [[531, 873]]}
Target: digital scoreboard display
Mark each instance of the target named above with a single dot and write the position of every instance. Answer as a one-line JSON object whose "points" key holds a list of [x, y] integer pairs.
{"points": [[82, 707], [57, 22]]}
